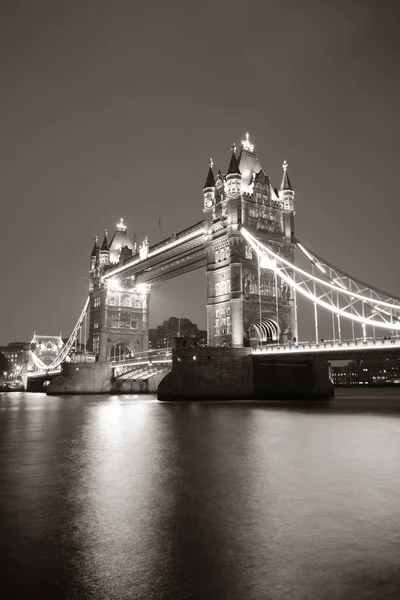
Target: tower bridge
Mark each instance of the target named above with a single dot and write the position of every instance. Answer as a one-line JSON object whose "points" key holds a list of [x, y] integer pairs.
{"points": [[246, 243]]}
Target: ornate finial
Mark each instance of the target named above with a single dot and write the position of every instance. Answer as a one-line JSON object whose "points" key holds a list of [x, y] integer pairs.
{"points": [[211, 163], [233, 147], [96, 239], [121, 225], [247, 145], [106, 232], [284, 166]]}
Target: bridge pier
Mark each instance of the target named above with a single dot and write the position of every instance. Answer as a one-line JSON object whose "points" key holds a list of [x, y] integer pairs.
{"points": [[237, 374]]}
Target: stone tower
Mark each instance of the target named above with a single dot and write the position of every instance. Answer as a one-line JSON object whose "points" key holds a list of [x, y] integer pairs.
{"points": [[119, 309], [247, 304]]}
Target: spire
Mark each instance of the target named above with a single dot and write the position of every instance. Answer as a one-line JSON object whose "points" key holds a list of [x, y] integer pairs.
{"points": [[121, 226], [95, 247], [104, 245], [285, 185], [210, 181], [233, 165], [246, 145]]}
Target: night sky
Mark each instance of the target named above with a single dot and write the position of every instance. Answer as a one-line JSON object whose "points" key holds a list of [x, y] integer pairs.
{"points": [[112, 109]]}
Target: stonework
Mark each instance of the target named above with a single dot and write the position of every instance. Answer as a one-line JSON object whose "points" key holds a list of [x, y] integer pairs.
{"points": [[247, 305], [119, 309]]}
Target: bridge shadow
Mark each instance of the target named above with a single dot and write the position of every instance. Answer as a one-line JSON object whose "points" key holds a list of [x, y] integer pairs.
{"points": [[384, 401]]}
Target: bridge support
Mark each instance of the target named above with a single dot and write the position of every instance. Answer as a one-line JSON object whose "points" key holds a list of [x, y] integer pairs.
{"points": [[236, 374]]}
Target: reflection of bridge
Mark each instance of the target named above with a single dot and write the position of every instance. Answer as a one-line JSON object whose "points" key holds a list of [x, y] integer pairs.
{"points": [[247, 244]]}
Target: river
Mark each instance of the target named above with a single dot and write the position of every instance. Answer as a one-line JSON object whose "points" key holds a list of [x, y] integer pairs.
{"points": [[123, 497]]}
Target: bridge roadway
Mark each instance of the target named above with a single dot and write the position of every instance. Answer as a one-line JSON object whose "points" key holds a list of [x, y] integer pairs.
{"points": [[329, 350], [333, 350], [178, 254]]}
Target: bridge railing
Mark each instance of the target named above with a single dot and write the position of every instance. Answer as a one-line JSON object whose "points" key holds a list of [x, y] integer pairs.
{"points": [[328, 345], [143, 358]]}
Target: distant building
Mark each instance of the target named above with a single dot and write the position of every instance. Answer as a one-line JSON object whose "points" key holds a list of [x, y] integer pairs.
{"points": [[17, 354], [164, 336], [45, 348], [367, 372]]}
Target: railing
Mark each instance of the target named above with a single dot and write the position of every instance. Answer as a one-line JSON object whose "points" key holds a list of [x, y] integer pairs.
{"points": [[328, 346], [145, 358]]}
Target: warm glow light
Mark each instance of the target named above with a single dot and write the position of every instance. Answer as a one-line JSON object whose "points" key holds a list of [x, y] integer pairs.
{"points": [[142, 288], [261, 248], [155, 252], [247, 145], [267, 263]]}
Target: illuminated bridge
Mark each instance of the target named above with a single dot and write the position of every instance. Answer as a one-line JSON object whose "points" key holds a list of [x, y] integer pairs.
{"points": [[257, 272]]}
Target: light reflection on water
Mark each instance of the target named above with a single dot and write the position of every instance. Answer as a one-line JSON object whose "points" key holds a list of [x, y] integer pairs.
{"points": [[119, 497]]}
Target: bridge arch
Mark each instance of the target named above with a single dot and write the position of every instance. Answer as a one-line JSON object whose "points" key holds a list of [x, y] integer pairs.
{"points": [[121, 351], [264, 331]]}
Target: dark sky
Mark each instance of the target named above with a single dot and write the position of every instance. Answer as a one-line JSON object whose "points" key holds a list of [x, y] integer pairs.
{"points": [[112, 109]]}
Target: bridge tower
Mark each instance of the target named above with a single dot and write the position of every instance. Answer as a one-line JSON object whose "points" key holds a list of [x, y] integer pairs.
{"points": [[247, 304], [119, 309]]}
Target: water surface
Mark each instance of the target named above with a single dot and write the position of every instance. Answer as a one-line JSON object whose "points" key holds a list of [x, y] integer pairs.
{"points": [[117, 497]]}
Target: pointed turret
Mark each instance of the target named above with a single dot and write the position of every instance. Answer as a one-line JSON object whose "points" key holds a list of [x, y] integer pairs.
{"points": [[233, 165], [95, 253], [104, 251], [210, 181], [233, 177], [285, 185], [104, 245], [209, 188], [95, 247], [286, 192]]}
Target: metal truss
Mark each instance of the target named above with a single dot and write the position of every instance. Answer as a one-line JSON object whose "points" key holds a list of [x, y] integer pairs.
{"points": [[331, 288], [65, 350]]}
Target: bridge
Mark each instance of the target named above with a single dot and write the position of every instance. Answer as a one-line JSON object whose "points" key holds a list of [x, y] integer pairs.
{"points": [[257, 271]]}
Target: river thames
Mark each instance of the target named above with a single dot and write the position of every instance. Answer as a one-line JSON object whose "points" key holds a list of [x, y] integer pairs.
{"points": [[122, 497]]}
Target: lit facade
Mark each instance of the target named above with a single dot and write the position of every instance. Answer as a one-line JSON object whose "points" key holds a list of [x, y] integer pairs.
{"points": [[119, 309], [246, 303]]}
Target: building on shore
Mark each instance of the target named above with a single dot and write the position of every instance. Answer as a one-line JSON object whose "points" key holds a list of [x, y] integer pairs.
{"points": [[17, 355], [367, 372], [165, 335]]}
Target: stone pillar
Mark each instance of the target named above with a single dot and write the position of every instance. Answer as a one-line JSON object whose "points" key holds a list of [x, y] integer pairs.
{"points": [[145, 333], [104, 347], [237, 323], [210, 325]]}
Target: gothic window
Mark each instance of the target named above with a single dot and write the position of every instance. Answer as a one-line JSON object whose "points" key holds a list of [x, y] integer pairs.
{"points": [[136, 302], [125, 321], [114, 320], [134, 323], [95, 325], [125, 300], [113, 300], [248, 252], [96, 301]]}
